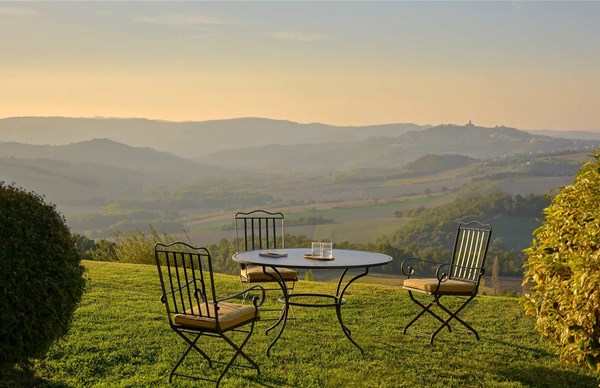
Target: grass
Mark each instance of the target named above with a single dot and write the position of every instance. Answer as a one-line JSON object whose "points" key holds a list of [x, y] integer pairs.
{"points": [[120, 338]]}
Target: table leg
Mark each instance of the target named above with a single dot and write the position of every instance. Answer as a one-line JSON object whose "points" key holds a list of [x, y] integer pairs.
{"points": [[338, 306], [284, 310], [339, 301]]}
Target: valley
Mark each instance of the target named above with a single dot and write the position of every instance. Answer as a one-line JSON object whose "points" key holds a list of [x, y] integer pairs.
{"points": [[359, 184]]}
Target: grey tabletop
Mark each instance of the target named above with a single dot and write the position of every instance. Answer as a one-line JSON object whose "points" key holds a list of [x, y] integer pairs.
{"points": [[342, 258]]}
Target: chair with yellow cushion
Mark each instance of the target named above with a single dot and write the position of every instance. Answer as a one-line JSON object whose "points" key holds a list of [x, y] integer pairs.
{"points": [[457, 279], [194, 311], [260, 229]]}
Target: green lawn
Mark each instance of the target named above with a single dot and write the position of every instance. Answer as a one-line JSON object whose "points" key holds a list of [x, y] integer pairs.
{"points": [[121, 338]]}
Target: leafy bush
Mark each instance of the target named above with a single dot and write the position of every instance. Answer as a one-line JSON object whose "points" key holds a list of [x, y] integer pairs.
{"points": [[564, 269], [41, 277]]}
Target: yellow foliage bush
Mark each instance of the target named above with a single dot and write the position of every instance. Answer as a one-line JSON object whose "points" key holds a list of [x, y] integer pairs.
{"points": [[563, 268]]}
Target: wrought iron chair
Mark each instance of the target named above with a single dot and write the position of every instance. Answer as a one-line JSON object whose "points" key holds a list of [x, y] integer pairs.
{"points": [[459, 278], [194, 311], [260, 229]]}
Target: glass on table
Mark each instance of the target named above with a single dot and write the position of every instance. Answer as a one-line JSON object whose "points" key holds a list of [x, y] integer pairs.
{"points": [[316, 249], [327, 250]]}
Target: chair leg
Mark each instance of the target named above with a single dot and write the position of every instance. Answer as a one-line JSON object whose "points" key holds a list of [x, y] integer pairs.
{"points": [[237, 348], [454, 315], [425, 309], [192, 345], [238, 351]]}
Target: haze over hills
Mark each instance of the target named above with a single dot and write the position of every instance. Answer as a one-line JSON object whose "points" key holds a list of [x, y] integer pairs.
{"points": [[96, 171], [105, 152], [582, 135], [467, 140], [100, 169], [270, 156], [187, 139], [196, 138]]}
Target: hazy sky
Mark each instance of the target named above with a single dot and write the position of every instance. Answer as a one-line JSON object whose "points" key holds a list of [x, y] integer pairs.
{"points": [[530, 65]]}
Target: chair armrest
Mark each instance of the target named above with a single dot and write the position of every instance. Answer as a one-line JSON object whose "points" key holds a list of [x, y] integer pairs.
{"points": [[255, 299], [408, 269]]}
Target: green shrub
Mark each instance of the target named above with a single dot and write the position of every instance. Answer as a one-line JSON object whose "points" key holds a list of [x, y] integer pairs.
{"points": [[41, 277], [136, 247], [563, 268]]}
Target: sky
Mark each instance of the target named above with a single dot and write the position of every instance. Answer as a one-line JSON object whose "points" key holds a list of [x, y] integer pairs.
{"points": [[528, 65]]}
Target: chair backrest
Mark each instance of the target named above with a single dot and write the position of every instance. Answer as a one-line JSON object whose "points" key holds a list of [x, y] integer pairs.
{"points": [[186, 278], [470, 250], [259, 229]]}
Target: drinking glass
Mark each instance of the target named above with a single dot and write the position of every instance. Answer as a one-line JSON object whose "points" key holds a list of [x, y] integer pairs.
{"points": [[316, 249], [327, 250]]}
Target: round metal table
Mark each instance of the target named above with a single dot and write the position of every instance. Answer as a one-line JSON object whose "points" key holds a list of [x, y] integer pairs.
{"points": [[342, 259]]}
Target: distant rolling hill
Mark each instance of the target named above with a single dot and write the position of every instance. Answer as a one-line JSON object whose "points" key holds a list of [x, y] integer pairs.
{"points": [[431, 164], [481, 142], [468, 140], [74, 183], [187, 139], [583, 135], [97, 170], [105, 152]]}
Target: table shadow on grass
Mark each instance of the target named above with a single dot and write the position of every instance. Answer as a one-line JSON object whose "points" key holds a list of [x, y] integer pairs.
{"points": [[267, 381]]}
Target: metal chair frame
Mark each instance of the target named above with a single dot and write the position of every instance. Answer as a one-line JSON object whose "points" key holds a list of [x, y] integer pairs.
{"points": [[467, 265], [261, 229], [187, 282]]}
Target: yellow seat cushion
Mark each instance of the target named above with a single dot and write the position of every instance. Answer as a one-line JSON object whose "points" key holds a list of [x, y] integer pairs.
{"points": [[230, 314], [256, 274], [431, 284]]}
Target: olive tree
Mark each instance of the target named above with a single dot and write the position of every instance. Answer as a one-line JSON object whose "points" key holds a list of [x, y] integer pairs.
{"points": [[41, 277], [563, 269]]}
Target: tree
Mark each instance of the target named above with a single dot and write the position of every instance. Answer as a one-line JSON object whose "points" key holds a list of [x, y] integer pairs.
{"points": [[85, 246], [41, 280], [563, 268]]}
